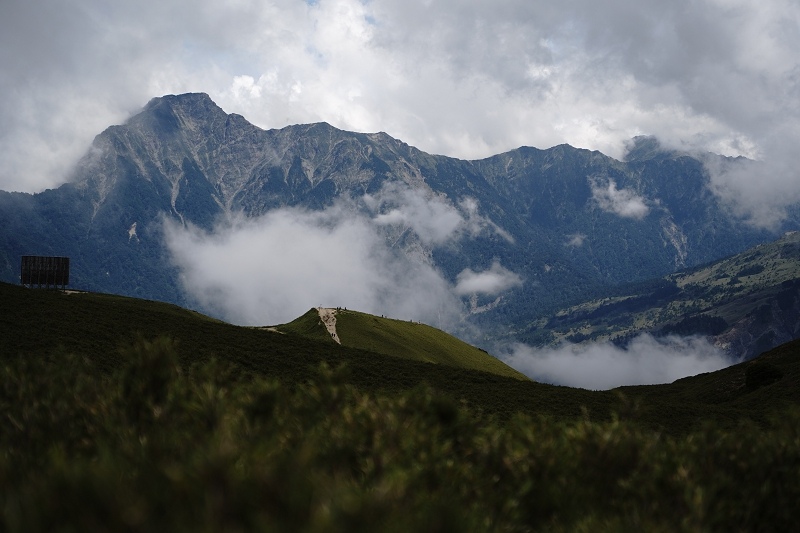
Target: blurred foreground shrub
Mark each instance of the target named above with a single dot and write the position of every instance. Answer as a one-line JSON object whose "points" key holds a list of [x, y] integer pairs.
{"points": [[158, 448]]}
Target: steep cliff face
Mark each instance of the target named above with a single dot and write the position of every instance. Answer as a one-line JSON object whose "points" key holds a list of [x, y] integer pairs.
{"points": [[565, 221]]}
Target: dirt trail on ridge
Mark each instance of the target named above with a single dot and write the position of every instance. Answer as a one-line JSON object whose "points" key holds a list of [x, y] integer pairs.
{"points": [[328, 317]]}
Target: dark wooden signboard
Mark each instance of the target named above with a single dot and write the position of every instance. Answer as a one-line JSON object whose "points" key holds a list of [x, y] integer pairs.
{"points": [[41, 271]]}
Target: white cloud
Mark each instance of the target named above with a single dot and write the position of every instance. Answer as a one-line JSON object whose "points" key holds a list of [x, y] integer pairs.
{"points": [[490, 282], [477, 224], [576, 240], [245, 87], [432, 218], [757, 191], [599, 366], [623, 202], [272, 269]]}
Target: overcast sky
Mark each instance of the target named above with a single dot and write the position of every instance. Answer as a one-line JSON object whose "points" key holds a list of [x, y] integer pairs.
{"points": [[465, 78]]}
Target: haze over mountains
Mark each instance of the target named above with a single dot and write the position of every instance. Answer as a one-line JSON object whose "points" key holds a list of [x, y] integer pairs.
{"points": [[188, 204]]}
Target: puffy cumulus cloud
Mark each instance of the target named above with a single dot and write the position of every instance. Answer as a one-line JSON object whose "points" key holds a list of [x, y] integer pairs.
{"points": [[489, 282], [272, 269], [576, 240], [599, 366], [431, 217], [623, 202], [467, 79]]}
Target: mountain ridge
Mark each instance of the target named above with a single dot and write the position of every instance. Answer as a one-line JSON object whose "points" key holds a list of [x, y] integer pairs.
{"points": [[566, 221]]}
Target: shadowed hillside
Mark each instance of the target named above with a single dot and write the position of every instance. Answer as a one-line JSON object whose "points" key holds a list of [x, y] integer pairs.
{"points": [[51, 324], [128, 415]]}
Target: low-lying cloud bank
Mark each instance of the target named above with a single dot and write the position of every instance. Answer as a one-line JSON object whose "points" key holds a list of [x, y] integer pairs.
{"points": [[490, 282], [623, 202], [272, 269], [600, 366], [432, 219], [758, 192]]}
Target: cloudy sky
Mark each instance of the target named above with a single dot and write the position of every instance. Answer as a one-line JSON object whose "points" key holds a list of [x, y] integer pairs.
{"points": [[466, 78]]}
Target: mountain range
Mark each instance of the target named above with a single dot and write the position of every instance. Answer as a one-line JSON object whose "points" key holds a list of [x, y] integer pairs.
{"points": [[534, 230], [132, 414]]}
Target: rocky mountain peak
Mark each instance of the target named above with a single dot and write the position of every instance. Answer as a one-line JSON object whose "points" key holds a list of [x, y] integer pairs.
{"points": [[198, 105], [193, 115]]}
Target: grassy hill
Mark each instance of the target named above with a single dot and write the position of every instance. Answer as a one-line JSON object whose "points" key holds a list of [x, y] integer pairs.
{"points": [[50, 324], [400, 338], [127, 415]]}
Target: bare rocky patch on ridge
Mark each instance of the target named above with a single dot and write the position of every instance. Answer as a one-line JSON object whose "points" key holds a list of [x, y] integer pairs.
{"points": [[328, 317]]}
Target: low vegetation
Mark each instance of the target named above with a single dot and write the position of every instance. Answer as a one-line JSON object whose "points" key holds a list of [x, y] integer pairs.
{"points": [[161, 446], [120, 414], [42, 323]]}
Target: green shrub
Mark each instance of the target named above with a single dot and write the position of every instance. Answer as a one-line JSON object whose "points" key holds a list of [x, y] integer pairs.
{"points": [[206, 449]]}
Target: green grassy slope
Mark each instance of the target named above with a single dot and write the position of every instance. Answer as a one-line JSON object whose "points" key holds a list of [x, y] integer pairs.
{"points": [[400, 338], [308, 325], [755, 390], [49, 324]]}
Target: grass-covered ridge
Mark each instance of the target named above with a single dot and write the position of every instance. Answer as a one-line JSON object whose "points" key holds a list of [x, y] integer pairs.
{"points": [[50, 324], [400, 338]]}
